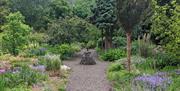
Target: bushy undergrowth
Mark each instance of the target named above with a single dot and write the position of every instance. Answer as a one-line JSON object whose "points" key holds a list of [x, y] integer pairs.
{"points": [[52, 62], [159, 62], [65, 50], [119, 41], [36, 52], [166, 59], [26, 77], [91, 45], [175, 86], [113, 54], [120, 77]]}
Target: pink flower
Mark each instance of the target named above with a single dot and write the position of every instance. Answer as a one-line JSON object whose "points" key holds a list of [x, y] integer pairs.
{"points": [[2, 71]]}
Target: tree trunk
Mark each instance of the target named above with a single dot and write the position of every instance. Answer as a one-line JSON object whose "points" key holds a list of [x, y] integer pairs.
{"points": [[102, 36], [128, 34], [108, 40]]}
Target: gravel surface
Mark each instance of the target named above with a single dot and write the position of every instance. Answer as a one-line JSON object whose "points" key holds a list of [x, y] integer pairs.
{"points": [[87, 77]]}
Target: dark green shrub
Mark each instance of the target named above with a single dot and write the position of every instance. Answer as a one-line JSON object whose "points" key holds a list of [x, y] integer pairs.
{"points": [[166, 59], [65, 50], [119, 41], [135, 48], [113, 54], [34, 52], [98, 50], [159, 61]]}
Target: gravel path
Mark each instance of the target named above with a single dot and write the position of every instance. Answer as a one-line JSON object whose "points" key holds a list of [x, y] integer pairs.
{"points": [[87, 77]]}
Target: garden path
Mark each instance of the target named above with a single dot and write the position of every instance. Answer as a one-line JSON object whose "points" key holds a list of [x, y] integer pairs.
{"points": [[87, 77]]}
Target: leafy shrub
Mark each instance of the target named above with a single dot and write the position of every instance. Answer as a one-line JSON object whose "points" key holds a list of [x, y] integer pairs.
{"points": [[38, 52], [76, 47], [119, 41], [16, 33], [134, 60], [135, 48], [33, 52], [52, 62], [149, 63], [91, 45], [98, 50], [113, 54], [166, 59], [24, 77], [65, 50], [175, 86], [159, 61], [121, 80], [115, 67]]}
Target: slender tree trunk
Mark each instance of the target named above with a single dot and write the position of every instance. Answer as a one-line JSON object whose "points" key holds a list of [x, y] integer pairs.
{"points": [[128, 34], [102, 35], [108, 39], [106, 42]]}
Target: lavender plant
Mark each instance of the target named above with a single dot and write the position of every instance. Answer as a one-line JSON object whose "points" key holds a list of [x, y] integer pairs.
{"points": [[157, 82]]}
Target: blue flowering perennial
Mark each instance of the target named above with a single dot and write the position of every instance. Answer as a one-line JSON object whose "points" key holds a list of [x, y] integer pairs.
{"points": [[151, 83]]}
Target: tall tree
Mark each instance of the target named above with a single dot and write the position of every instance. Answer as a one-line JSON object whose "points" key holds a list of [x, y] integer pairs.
{"points": [[104, 17], [36, 12], [82, 8], [4, 11], [130, 14], [165, 28], [15, 33], [71, 29], [59, 8]]}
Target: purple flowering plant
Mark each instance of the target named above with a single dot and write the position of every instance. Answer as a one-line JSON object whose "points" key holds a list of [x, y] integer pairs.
{"points": [[159, 80]]}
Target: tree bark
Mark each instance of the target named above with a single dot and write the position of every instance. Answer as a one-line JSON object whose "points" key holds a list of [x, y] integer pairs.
{"points": [[102, 37], [108, 40], [128, 34]]}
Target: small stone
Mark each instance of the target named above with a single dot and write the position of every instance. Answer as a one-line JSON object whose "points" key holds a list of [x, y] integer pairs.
{"points": [[64, 67]]}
